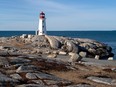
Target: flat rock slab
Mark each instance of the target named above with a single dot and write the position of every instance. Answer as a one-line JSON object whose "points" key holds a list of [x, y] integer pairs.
{"points": [[40, 82], [104, 80], [3, 61], [48, 79], [31, 85], [80, 85], [27, 68], [31, 76], [4, 78], [90, 61], [4, 53], [19, 60], [16, 76]]}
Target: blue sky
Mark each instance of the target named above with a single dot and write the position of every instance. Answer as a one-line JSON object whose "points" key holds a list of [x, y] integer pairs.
{"points": [[60, 14]]}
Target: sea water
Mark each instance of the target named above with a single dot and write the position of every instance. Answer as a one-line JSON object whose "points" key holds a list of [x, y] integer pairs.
{"points": [[107, 37]]}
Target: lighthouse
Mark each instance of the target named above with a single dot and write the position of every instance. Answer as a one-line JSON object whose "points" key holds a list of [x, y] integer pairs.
{"points": [[42, 24]]}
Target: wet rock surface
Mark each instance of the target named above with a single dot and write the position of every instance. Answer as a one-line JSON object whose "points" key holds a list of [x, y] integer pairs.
{"points": [[45, 61]]}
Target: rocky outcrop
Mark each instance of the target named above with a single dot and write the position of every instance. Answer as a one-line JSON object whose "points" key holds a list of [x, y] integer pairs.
{"points": [[40, 61]]}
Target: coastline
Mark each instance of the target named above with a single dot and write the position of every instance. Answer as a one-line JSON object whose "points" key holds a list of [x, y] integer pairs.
{"points": [[104, 36], [48, 61]]}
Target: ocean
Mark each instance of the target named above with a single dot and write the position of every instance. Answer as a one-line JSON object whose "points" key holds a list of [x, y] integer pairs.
{"points": [[107, 37]]}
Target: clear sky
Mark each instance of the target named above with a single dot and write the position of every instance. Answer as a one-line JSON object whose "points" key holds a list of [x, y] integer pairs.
{"points": [[60, 14]]}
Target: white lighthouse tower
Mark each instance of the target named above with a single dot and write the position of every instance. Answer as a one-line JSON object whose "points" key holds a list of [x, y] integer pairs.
{"points": [[42, 25]]}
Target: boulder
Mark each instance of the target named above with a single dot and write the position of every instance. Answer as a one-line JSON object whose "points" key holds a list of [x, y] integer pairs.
{"points": [[24, 36], [97, 57], [110, 58], [62, 53], [83, 54], [54, 43], [108, 48], [71, 47], [74, 58], [30, 36], [61, 39], [92, 51]]}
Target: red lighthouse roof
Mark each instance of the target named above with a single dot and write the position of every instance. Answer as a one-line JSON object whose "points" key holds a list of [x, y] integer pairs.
{"points": [[42, 13]]}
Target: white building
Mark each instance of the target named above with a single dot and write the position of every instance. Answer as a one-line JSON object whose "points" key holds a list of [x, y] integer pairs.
{"points": [[42, 25]]}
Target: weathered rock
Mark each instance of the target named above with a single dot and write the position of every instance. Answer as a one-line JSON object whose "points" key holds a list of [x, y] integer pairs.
{"points": [[27, 68], [30, 85], [51, 82], [85, 45], [54, 43], [113, 69], [61, 39], [71, 47], [4, 78], [37, 38], [62, 53], [4, 53], [14, 54], [46, 76], [30, 36], [40, 82], [108, 48], [24, 36], [9, 48], [97, 57], [16, 76], [104, 80], [3, 61], [51, 79], [110, 58], [3, 39], [1, 47], [75, 58], [17, 60], [59, 82], [52, 56], [80, 85], [92, 51], [31, 76], [83, 54]]}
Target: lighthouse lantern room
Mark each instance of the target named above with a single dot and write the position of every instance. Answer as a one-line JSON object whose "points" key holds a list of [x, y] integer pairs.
{"points": [[42, 24]]}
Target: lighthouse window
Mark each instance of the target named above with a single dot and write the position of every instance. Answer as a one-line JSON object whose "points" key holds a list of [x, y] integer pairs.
{"points": [[43, 21], [43, 26]]}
